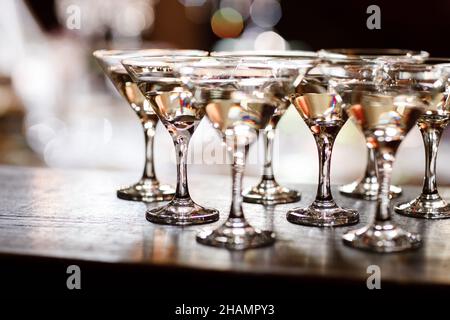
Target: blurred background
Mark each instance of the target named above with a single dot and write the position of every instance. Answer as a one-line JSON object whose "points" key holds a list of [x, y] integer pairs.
{"points": [[57, 109]]}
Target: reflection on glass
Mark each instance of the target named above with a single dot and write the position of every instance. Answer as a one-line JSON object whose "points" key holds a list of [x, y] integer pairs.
{"points": [[429, 204], [367, 186], [148, 188], [322, 111], [385, 100], [158, 80], [268, 191], [240, 100]]}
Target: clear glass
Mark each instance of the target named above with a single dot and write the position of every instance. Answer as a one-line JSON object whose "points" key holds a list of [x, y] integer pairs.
{"points": [[159, 82], [385, 104], [367, 186], [322, 112], [237, 233], [430, 205], [268, 191], [148, 188], [240, 100]]}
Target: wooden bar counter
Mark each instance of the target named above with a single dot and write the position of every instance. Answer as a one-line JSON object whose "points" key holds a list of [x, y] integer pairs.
{"points": [[51, 219]]}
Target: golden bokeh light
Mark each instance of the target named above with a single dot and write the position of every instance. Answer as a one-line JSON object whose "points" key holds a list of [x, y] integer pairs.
{"points": [[227, 23]]}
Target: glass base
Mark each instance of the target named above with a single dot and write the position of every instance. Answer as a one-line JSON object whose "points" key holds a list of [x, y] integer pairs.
{"points": [[323, 215], [182, 212], [366, 189], [426, 207], [146, 190], [236, 234], [383, 238], [269, 192]]}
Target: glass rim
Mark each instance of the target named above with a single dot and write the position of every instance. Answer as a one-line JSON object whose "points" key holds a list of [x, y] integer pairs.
{"points": [[149, 61], [272, 61], [427, 65], [370, 54], [212, 62], [368, 72], [253, 62], [440, 66], [438, 61], [267, 53], [235, 63], [121, 53], [203, 72]]}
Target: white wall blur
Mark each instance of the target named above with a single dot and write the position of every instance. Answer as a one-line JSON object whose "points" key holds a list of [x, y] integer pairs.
{"points": [[75, 120]]}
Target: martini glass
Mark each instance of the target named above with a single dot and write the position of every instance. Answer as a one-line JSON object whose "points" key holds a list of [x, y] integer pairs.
{"points": [[387, 100], [321, 109], [268, 191], [159, 82], [148, 188], [429, 204], [367, 186], [240, 99]]}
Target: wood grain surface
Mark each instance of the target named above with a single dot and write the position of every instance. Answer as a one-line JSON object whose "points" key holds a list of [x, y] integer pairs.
{"points": [[76, 215]]}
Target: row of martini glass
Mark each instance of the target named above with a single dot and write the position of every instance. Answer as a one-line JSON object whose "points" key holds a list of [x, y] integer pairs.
{"points": [[385, 93]]}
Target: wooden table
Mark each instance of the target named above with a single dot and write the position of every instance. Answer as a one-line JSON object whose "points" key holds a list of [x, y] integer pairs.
{"points": [[50, 219]]}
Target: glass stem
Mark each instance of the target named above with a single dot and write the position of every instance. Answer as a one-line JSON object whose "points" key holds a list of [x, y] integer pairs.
{"points": [[384, 161], [324, 147], [238, 168], [149, 134], [268, 154], [371, 169], [181, 143], [431, 138]]}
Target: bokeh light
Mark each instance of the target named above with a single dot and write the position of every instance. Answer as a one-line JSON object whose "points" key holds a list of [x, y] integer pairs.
{"points": [[265, 13], [133, 21], [242, 6], [270, 40], [227, 23]]}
